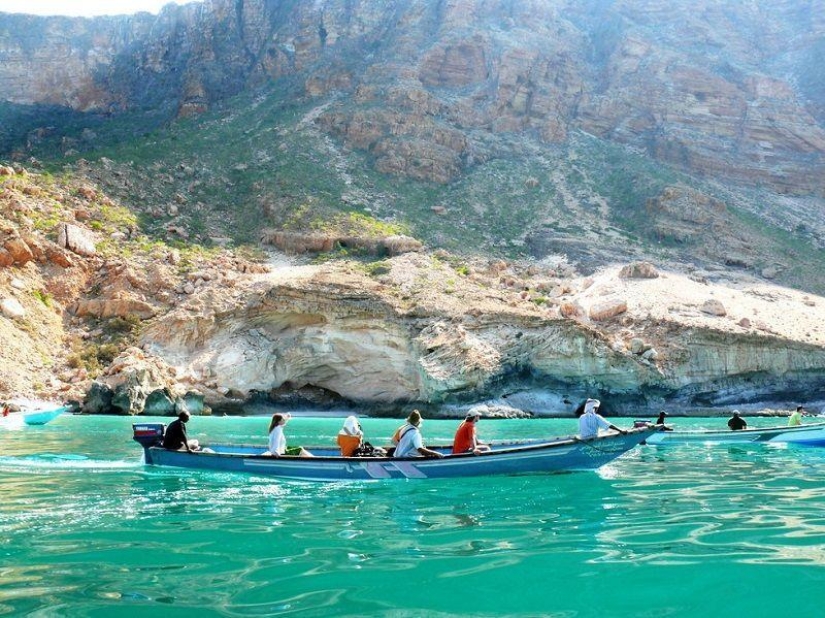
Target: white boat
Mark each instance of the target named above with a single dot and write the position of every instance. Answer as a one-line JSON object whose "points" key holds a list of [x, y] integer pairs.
{"points": [[810, 435]]}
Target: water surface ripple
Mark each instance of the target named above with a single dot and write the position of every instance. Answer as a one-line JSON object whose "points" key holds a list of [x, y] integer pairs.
{"points": [[87, 530]]}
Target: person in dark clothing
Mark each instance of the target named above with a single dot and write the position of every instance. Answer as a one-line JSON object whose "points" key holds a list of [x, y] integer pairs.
{"points": [[175, 439], [661, 421], [737, 422]]}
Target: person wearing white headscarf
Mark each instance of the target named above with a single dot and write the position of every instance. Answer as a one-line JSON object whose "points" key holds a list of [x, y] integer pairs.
{"points": [[591, 422], [350, 436]]}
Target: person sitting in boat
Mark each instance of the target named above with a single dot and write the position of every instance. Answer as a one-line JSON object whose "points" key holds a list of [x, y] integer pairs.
{"points": [[350, 437], [590, 422], [175, 439], [465, 440], [795, 419], [351, 441], [661, 421], [736, 422], [277, 439], [408, 440]]}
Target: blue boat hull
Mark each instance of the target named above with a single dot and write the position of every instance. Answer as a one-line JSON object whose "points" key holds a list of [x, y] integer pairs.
{"points": [[41, 417], [560, 454]]}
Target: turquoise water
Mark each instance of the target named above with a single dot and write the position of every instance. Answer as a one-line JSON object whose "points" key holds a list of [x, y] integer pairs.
{"points": [[87, 530]]}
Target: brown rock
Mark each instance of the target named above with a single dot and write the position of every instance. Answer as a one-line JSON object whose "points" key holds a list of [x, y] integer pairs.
{"points": [[570, 309], [639, 270], [20, 252], [58, 256], [6, 258], [607, 309]]}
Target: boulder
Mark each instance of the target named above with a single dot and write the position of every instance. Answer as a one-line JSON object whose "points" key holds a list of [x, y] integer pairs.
{"points": [[12, 309], [98, 399], [123, 307], [714, 307], [159, 403], [650, 354], [130, 397], [571, 309], [607, 309], [19, 251], [639, 270], [192, 402], [76, 239], [637, 345]]}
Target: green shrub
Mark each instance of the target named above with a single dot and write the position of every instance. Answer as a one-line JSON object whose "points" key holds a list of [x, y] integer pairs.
{"points": [[43, 297]]}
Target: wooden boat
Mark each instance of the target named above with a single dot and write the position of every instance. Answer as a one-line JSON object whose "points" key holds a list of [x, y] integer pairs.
{"points": [[810, 435], [32, 417], [553, 455]]}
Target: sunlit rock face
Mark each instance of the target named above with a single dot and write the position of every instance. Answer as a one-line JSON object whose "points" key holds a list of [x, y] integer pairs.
{"points": [[432, 88], [369, 343]]}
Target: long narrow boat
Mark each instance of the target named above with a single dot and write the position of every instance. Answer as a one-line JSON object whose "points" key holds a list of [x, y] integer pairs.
{"points": [[32, 417], [810, 435], [556, 454]]}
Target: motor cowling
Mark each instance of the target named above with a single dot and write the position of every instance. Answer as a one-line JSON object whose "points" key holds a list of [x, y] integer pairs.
{"points": [[148, 434]]}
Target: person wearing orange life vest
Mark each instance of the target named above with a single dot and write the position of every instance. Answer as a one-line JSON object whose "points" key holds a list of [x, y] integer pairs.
{"points": [[408, 440], [350, 437], [465, 440]]}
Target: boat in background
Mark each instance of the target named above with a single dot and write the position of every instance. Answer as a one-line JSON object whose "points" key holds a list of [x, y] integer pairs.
{"points": [[809, 435], [554, 455], [39, 416]]}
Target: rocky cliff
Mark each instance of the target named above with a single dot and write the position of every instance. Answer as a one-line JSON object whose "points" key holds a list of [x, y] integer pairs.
{"points": [[581, 134], [430, 88]]}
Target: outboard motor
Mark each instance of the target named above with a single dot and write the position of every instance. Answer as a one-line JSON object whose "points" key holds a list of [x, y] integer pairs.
{"points": [[148, 434]]}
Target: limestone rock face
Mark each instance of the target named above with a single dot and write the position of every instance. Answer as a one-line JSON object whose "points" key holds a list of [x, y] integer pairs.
{"points": [[137, 383], [348, 336]]}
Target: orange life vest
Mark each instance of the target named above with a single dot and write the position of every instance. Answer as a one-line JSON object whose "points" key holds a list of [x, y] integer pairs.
{"points": [[348, 444]]}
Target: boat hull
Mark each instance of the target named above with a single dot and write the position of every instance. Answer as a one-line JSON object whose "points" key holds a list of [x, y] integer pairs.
{"points": [[32, 417], [810, 435], [557, 455], [41, 417]]}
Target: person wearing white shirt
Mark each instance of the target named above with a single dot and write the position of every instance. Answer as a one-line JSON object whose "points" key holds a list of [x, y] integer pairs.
{"points": [[277, 439], [590, 422], [408, 440]]}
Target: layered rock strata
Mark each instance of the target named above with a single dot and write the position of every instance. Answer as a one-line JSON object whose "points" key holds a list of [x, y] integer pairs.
{"points": [[368, 343]]}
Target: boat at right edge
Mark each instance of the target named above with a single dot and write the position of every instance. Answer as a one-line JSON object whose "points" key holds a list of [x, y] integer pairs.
{"points": [[809, 435]]}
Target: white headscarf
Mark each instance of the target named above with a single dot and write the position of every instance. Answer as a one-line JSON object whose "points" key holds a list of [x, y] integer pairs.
{"points": [[590, 405], [350, 427]]}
